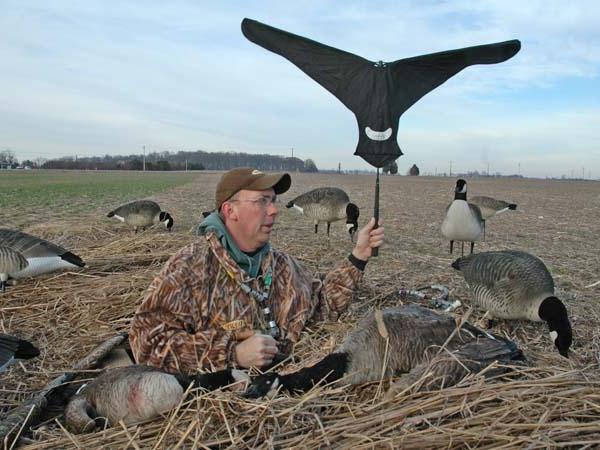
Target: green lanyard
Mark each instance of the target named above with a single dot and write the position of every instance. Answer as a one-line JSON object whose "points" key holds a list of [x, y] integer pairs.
{"points": [[261, 298]]}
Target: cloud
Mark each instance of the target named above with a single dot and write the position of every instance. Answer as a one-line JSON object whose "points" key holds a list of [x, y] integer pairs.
{"points": [[109, 79]]}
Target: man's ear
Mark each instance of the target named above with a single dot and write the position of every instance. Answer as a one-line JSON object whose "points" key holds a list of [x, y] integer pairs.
{"points": [[228, 211]]}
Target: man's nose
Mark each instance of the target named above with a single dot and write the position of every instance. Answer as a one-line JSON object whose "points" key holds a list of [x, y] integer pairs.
{"points": [[272, 209]]}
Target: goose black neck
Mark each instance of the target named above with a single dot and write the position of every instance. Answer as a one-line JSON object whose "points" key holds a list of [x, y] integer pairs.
{"points": [[460, 196], [209, 381], [331, 368], [553, 311]]}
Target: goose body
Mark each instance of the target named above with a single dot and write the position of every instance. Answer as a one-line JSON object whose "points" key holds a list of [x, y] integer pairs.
{"points": [[134, 394], [327, 204], [512, 284], [463, 221], [142, 214], [13, 348], [490, 207], [415, 337], [42, 256]]}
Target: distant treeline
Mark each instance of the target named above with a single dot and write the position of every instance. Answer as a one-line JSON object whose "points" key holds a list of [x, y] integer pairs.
{"points": [[198, 160]]}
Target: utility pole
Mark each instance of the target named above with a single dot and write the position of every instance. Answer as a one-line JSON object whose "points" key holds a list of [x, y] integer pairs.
{"points": [[144, 161], [488, 169], [186, 165], [519, 168], [292, 152], [450, 168]]}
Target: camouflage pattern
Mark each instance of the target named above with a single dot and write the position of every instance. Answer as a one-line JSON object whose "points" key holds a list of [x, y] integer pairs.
{"points": [[195, 310]]}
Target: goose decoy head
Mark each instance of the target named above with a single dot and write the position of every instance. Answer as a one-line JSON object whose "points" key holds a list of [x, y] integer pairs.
{"points": [[461, 186], [263, 385], [563, 343], [166, 218], [553, 311], [352, 213]]}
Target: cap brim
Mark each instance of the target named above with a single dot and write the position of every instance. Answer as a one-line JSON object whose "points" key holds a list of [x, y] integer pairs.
{"points": [[279, 182]]}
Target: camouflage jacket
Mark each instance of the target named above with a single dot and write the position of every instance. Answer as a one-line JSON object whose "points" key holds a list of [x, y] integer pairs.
{"points": [[195, 307]]}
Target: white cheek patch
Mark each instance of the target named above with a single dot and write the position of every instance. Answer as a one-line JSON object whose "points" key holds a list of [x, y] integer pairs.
{"points": [[273, 389], [240, 376], [299, 209], [349, 226], [119, 218], [378, 135], [553, 335]]}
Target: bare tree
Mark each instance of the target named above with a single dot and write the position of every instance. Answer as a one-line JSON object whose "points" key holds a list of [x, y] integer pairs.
{"points": [[8, 156], [414, 171]]}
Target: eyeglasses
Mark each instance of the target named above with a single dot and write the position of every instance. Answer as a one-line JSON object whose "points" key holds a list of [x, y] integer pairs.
{"points": [[264, 202]]}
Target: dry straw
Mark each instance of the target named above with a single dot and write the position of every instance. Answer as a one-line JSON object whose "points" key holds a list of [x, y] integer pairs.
{"points": [[553, 402]]}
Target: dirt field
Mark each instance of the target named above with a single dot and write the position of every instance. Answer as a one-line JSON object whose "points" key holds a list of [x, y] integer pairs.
{"points": [[554, 403]]}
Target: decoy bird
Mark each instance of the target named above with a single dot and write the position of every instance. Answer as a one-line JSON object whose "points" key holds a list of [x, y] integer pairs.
{"points": [[463, 221], [134, 394], [142, 214], [512, 284], [491, 207], [42, 256], [327, 204], [394, 341]]}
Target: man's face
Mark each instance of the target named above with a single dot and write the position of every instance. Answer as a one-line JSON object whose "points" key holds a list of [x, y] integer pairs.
{"points": [[250, 218]]}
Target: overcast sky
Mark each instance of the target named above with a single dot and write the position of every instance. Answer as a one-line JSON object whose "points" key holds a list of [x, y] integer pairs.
{"points": [[101, 77]]}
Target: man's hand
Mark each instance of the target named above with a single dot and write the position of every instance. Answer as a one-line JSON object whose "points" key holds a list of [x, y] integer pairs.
{"points": [[258, 351], [367, 239]]}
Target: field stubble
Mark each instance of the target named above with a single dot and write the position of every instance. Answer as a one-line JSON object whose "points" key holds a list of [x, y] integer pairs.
{"points": [[554, 402]]}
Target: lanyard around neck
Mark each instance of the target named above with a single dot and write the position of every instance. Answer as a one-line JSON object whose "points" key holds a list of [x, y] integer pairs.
{"points": [[261, 297]]}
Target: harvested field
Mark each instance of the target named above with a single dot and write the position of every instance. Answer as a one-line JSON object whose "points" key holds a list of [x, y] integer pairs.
{"points": [[552, 402]]}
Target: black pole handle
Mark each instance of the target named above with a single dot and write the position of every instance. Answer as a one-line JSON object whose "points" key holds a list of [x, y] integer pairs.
{"points": [[375, 251]]}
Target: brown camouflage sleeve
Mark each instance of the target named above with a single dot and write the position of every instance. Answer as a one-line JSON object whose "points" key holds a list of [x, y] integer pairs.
{"points": [[167, 332], [338, 289]]}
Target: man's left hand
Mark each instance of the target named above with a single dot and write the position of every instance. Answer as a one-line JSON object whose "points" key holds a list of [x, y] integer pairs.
{"points": [[367, 239]]}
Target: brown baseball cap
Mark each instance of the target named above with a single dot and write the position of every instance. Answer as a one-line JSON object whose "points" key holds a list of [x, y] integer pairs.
{"points": [[251, 179]]}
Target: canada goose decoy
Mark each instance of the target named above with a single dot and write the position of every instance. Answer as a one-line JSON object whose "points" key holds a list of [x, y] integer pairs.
{"points": [[463, 220], [327, 204], [490, 207], [142, 214], [134, 394], [13, 348], [42, 256], [415, 336], [11, 262], [512, 284]]}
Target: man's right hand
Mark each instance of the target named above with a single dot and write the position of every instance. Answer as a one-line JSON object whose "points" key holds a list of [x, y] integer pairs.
{"points": [[258, 350]]}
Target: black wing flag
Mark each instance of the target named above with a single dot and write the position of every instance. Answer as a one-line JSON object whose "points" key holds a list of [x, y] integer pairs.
{"points": [[378, 93]]}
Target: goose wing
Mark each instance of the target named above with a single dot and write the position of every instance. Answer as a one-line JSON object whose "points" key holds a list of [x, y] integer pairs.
{"points": [[28, 245], [476, 212], [34, 247]]}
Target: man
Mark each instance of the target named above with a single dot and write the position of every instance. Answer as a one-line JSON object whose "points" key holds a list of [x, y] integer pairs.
{"points": [[230, 300]]}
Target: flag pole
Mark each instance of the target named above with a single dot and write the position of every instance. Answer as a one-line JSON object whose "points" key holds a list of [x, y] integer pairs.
{"points": [[375, 251]]}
